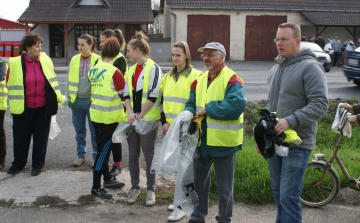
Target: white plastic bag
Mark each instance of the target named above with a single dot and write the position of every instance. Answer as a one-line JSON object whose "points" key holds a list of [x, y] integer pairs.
{"points": [[122, 132], [143, 126], [339, 121], [54, 128], [281, 150]]}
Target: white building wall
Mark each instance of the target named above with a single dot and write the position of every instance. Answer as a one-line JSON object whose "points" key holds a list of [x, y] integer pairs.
{"points": [[43, 31], [237, 26], [11, 35]]}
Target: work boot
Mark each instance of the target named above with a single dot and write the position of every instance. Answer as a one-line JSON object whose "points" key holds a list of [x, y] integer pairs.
{"points": [[113, 183], [79, 161]]}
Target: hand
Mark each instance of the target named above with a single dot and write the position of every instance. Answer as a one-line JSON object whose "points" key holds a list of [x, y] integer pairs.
{"points": [[139, 116], [132, 117], [281, 126], [201, 112], [165, 128], [257, 149], [352, 119], [347, 107]]}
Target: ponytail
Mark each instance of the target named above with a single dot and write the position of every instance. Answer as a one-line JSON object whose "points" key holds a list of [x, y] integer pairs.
{"points": [[140, 41]]}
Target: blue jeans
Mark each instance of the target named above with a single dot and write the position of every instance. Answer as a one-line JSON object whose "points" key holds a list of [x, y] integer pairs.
{"points": [[80, 111], [286, 176]]}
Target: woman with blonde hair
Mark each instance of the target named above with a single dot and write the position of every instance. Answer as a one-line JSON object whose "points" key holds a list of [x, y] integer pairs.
{"points": [[175, 92], [142, 100]]}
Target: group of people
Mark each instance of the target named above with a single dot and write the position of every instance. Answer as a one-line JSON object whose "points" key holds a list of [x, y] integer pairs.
{"points": [[103, 91]]}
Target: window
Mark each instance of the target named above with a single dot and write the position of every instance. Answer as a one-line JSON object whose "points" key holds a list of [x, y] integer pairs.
{"points": [[91, 29]]}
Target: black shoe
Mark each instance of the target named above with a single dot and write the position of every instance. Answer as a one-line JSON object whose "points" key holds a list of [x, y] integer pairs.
{"points": [[35, 172], [113, 183], [115, 171], [102, 193], [13, 170], [191, 221]]}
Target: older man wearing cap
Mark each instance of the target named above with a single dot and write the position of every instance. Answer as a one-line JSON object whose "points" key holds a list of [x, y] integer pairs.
{"points": [[217, 97]]}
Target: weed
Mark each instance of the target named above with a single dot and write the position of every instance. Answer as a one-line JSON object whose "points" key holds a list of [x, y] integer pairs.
{"points": [[53, 201], [86, 200]]}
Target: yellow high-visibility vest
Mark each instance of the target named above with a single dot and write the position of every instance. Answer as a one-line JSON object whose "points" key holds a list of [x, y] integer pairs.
{"points": [[154, 111], [225, 133], [15, 84], [176, 94], [3, 89], [106, 106], [74, 75]]}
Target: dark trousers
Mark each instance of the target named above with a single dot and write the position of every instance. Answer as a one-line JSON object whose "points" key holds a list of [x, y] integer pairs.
{"points": [[37, 126], [117, 152], [2, 138], [104, 134], [336, 57]]}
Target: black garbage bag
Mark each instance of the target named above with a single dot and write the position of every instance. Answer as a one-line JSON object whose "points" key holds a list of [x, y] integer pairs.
{"points": [[265, 135]]}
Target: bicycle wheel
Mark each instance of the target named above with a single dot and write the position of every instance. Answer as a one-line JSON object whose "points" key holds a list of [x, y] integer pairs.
{"points": [[322, 194]]}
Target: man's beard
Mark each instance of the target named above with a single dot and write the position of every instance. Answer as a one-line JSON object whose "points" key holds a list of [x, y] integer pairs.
{"points": [[208, 67]]}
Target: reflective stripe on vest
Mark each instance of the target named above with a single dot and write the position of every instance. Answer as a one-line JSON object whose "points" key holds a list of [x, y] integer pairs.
{"points": [[176, 93], [3, 89], [15, 83], [106, 105], [74, 74], [154, 111], [225, 133]]}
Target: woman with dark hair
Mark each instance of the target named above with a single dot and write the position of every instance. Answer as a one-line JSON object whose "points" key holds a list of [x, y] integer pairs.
{"points": [[106, 111], [142, 100], [120, 63], [79, 94], [175, 92], [34, 94]]}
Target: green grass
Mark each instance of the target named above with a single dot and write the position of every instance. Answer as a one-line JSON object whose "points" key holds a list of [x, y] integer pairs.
{"points": [[252, 180]]}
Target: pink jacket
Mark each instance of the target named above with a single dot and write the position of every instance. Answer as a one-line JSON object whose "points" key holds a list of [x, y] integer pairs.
{"points": [[35, 94]]}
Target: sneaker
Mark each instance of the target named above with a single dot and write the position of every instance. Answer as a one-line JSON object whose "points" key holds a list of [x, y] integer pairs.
{"points": [[79, 161], [113, 183], [170, 207], [35, 172], [176, 215], [115, 171], [92, 164], [134, 193], [150, 198], [13, 170], [102, 193]]}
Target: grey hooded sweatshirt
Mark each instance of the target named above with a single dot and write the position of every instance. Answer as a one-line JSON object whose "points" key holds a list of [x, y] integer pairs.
{"points": [[298, 93]]}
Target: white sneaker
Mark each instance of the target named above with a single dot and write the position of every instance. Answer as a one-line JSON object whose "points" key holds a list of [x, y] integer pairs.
{"points": [[150, 198], [176, 215], [170, 207], [134, 193]]}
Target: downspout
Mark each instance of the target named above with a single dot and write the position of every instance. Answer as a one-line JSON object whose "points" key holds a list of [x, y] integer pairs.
{"points": [[172, 13]]}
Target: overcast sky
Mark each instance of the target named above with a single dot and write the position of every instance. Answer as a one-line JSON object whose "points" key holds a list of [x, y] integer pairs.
{"points": [[12, 9]]}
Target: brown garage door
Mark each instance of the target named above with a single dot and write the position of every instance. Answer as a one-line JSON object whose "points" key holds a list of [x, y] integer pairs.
{"points": [[203, 29], [259, 37]]}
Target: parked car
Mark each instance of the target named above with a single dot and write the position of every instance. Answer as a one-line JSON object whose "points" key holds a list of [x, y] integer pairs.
{"points": [[352, 66], [321, 56]]}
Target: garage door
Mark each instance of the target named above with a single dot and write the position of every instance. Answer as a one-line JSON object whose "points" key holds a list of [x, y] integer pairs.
{"points": [[259, 37], [203, 29]]}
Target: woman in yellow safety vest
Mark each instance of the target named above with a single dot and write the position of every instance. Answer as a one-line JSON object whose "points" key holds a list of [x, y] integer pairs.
{"points": [[34, 94], [142, 100], [78, 93], [106, 111], [120, 63], [175, 92], [3, 107]]}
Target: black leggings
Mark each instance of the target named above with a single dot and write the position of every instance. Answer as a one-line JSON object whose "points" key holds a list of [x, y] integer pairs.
{"points": [[104, 134], [117, 152]]}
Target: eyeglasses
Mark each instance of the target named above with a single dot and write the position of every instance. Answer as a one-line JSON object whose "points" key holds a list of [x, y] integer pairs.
{"points": [[282, 39], [208, 55]]}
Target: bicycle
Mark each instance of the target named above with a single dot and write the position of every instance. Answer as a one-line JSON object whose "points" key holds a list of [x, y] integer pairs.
{"points": [[321, 181]]}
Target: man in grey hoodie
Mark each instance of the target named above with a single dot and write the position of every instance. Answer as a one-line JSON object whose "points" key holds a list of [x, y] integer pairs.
{"points": [[298, 95]]}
